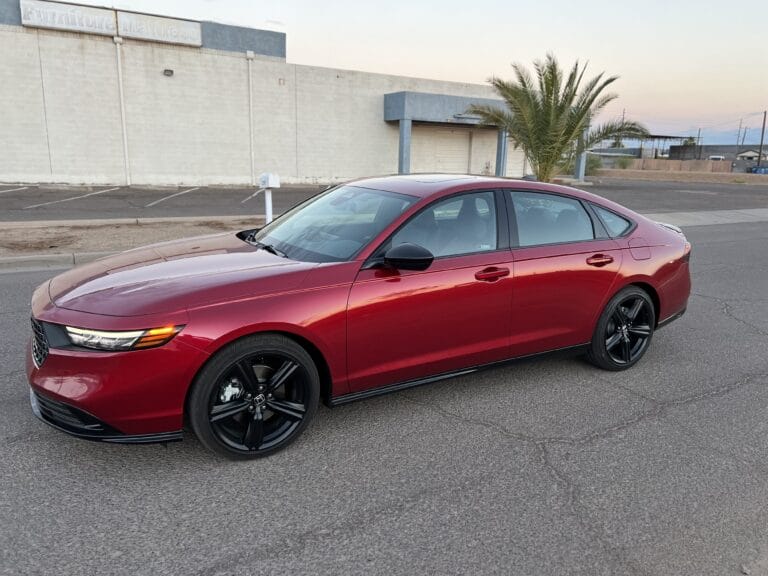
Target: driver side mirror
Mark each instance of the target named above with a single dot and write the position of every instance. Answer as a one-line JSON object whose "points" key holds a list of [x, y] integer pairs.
{"points": [[409, 257]]}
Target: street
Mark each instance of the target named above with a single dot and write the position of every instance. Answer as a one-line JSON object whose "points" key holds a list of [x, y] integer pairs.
{"points": [[541, 467]]}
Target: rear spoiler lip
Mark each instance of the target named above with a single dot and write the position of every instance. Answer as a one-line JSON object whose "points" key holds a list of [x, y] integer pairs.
{"points": [[671, 227]]}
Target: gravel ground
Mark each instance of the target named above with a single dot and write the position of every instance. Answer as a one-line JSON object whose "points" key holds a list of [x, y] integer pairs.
{"points": [[110, 238]]}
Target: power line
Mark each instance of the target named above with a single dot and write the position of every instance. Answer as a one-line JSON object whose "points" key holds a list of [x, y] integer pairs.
{"points": [[705, 125]]}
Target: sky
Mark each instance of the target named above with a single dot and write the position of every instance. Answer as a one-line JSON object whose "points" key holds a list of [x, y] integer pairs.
{"points": [[684, 65]]}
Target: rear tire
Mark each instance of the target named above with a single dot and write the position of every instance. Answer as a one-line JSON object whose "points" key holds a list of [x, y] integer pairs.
{"points": [[624, 330], [254, 397]]}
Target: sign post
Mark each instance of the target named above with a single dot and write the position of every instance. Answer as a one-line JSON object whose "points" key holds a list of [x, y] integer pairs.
{"points": [[267, 181]]}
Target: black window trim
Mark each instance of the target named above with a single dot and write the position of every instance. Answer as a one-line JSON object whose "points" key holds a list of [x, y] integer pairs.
{"points": [[627, 232], [598, 226], [599, 230], [502, 230]]}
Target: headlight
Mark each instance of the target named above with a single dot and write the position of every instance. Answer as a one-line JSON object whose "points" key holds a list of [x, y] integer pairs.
{"points": [[128, 340]]}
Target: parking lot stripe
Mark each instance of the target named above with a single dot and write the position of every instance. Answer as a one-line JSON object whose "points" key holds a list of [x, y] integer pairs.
{"points": [[156, 202], [72, 198], [14, 190], [259, 191]]}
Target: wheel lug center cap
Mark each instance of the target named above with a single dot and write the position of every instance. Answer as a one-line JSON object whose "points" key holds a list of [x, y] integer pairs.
{"points": [[259, 400]]}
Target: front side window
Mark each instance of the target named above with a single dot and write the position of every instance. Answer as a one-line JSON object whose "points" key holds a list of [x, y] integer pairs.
{"points": [[550, 219], [334, 226], [458, 225]]}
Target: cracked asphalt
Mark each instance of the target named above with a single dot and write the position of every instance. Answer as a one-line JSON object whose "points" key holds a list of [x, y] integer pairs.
{"points": [[543, 467]]}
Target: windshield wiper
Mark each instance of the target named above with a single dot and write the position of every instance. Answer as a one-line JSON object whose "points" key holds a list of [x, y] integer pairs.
{"points": [[270, 248]]}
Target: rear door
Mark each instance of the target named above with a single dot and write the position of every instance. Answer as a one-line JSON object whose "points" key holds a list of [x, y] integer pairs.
{"points": [[565, 267], [405, 325]]}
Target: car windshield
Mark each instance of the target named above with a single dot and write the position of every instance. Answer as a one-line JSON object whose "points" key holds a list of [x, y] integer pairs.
{"points": [[334, 226]]}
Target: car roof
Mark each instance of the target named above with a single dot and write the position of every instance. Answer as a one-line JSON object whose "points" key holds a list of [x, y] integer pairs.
{"points": [[428, 185]]}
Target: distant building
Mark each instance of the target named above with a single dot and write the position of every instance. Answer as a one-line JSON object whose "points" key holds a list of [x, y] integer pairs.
{"points": [[751, 155]]}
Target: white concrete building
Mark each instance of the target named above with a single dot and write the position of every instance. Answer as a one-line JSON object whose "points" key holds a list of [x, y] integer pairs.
{"points": [[99, 96]]}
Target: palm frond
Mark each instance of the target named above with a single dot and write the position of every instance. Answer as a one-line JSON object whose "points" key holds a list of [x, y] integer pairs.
{"points": [[546, 113]]}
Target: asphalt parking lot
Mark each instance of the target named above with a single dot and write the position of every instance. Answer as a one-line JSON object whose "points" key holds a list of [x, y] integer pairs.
{"points": [[545, 467], [30, 202]]}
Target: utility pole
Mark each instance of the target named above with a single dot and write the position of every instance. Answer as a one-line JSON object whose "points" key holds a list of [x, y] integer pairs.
{"points": [[698, 144], [738, 135], [744, 136], [762, 139]]}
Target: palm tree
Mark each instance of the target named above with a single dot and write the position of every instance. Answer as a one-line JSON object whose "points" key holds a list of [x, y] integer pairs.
{"points": [[547, 119]]}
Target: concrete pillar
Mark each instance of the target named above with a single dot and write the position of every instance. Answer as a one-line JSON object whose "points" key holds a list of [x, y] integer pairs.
{"points": [[580, 168], [580, 165], [404, 152], [501, 153], [249, 55]]}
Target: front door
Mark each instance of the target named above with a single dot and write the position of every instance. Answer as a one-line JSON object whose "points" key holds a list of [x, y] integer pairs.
{"points": [[405, 325]]}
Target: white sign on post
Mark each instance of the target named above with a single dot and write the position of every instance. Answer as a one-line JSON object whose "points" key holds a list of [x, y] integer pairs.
{"points": [[159, 29], [267, 181], [42, 14]]}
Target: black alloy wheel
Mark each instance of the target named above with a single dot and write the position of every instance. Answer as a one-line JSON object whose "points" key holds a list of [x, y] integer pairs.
{"points": [[254, 397], [624, 330]]}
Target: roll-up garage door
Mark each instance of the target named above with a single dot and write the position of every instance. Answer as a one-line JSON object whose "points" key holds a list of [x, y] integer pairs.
{"points": [[515, 162], [437, 149]]}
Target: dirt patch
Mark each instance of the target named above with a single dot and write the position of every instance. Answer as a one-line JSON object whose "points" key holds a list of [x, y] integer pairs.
{"points": [[105, 238], [214, 225], [59, 243]]}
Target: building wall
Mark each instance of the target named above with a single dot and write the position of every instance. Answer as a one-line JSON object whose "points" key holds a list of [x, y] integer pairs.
{"points": [[82, 108], [189, 128], [61, 119], [23, 132], [681, 165]]}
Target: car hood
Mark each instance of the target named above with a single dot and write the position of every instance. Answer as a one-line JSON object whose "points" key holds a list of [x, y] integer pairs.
{"points": [[175, 276]]}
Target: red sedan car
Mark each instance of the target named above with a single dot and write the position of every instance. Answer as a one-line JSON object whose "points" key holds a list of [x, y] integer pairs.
{"points": [[370, 287]]}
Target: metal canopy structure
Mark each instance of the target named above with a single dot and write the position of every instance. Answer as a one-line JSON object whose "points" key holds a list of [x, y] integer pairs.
{"points": [[409, 107]]}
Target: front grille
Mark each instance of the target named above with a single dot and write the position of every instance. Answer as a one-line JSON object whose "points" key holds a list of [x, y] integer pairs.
{"points": [[39, 343], [70, 418]]}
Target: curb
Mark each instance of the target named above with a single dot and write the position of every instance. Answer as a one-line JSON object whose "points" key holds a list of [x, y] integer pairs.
{"points": [[257, 219], [574, 182], [30, 262], [45, 261]]}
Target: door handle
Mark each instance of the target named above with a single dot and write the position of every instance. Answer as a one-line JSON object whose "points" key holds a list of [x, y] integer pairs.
{"points": [[492, 274], [599, 260]]}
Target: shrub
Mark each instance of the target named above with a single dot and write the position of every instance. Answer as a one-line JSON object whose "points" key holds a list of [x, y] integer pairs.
{"points": [[623, 163], [594, 163]]}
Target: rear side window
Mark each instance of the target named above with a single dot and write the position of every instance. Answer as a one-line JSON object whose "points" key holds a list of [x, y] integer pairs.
{"points": [[615, 224], [550, 219]]}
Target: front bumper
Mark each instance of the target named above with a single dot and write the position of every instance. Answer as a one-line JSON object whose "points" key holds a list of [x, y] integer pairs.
{"points": [[135, 396], [79, 423]]}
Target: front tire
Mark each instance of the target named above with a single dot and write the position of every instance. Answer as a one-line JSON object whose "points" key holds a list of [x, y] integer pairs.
{"points": [[624, 330], [254, 397]]}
